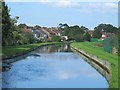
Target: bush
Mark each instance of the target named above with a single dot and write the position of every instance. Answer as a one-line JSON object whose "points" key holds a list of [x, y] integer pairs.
{"points": [[56, 38]]}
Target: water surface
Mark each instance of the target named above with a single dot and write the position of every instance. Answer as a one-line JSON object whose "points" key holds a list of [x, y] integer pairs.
{"points": [[53, 66]]}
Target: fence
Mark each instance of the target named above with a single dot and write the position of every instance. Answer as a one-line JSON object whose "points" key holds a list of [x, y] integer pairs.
{"points": [[110, 43]]}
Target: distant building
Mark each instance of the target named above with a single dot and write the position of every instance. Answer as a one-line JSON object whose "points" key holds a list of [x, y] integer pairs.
{"points": [[105, 35], [57, 32], [90, 32], [64, 38], [54, 31], [25, 30], [39, 34]]}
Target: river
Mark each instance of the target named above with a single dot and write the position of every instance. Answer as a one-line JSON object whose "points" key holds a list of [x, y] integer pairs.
{"points": [[53, 66]]}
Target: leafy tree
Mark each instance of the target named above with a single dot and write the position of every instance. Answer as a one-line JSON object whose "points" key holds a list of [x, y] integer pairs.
{"points": [[118, 35], [6, 24], [104, 28], [97, 33], [84, 28], [56, 38], [87, 36], [64, 28], [28, 36], [11, 33], [78, 38], [9, 28], [73, 32], [22, 25]]}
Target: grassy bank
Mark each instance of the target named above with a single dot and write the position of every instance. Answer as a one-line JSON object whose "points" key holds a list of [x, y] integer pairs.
{"points": [[10, 51], [90, 48]]}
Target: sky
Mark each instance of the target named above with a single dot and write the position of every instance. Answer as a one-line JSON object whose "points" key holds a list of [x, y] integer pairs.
{"points": [[50, 13]]}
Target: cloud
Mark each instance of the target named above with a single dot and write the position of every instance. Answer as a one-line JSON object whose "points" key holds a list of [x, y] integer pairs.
{"points": [[62, 0], [111, 5], [64, 75], [44, 1], [66, 3], [84, 7], [59, 3], [103, 5], [99, 7], [91, 6]]}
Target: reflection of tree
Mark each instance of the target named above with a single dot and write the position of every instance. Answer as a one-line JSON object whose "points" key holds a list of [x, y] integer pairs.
{"points": [[53, 48], [65, 48], [57, 48]]}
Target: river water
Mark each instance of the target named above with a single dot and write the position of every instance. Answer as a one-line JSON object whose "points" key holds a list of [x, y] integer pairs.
{"points": [[53, 66]]}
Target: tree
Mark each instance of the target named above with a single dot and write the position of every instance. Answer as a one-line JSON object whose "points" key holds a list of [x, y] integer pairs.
{"points": [[78, 38], [84, 28], [6, 24], [118, 35], [97, 33], [104, 27], [22, 26], [11, 33], [56, 38], [73, 32], [87, 36], [64, 28], [28, 36]]}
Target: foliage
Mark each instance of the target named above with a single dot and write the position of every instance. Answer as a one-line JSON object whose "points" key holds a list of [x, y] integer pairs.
{"points": [[73, 32], [104, 28], [118, 35], [22, 25], [78, 38], [6, 25], [11, 33], [27, 36], [56, 38], [84, 28], [87, 37], [97, 34], [94, 40]]}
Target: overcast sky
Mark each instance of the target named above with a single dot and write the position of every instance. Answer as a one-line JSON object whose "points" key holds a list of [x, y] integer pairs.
{"points": [[73, 12]]}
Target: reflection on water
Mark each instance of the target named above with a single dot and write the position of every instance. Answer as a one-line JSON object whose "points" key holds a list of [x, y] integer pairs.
{"points": [[53, 66], [54, 48]]}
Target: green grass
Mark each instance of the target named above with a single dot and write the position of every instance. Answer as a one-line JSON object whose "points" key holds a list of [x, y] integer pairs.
{"points": [[13, 50], [90, 48]]}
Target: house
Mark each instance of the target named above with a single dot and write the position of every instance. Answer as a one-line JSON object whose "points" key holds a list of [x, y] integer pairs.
{"points": [[54, 31], [106, 34], [90, 32], [36, 33], [64, 38], [57, 32], [25, 30], [39, 34], [50, 32]]}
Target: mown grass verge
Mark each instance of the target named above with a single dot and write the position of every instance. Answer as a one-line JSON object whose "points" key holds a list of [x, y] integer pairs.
{"points": [[90, 48], [11, 51]]}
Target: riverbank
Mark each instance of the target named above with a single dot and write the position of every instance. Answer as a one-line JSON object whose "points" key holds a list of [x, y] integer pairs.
{"points": [[102, 66], [15, 51], [90, 48]]}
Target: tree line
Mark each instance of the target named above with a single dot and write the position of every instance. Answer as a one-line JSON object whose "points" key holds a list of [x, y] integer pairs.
{"points": [[75, 32], [104, 28], [82, 33]]}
